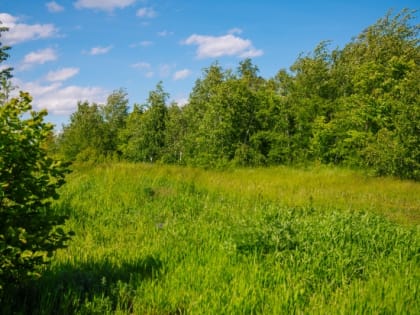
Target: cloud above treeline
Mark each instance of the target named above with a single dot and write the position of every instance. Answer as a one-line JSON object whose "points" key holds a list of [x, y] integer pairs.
{"points": [[181, 74], [225, 45], [62, 74], [59, 99], [38, 57], [106, 5], [21, 32], [99, 50]]}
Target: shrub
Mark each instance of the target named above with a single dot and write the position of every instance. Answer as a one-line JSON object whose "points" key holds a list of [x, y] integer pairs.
{"points": [[29, 228]]}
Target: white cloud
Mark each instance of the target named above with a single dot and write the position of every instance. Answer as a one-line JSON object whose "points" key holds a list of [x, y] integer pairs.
{"points": [[226, 45], [59, 99], [181, 100], [146, 13], [20, 32], [106, 5], [7, 19], [63, 100], [251, 53], [144, 67], [181, 74], [235, 30], [62, 74], [54, 7], [38, 57], [99, 50]]}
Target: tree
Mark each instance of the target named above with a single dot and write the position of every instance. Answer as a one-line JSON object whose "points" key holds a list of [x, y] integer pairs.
{"points": [[84, 138], [198, 140], [29, 229], [275, 118], [375, 122], [143, 139], [175, 128], [93, 131], [129, 138], [312, 94], [114, 113], [221, 116]]}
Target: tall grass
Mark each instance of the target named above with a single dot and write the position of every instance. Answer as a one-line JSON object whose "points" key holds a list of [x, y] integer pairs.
{"points": [[167, 240]]}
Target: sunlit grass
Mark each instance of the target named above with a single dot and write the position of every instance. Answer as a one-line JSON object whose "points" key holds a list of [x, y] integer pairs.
{"points": [[154, 239], [319, 186]]}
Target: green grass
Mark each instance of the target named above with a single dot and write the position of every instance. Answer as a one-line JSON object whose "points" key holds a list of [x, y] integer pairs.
{"points": [[167, 240]]}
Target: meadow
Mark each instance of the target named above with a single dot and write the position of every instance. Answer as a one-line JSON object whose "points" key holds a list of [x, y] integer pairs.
{"points": [[154, 239]]}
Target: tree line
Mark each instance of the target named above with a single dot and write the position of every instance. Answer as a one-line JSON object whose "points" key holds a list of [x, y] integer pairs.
{"points": [[356, 106]]}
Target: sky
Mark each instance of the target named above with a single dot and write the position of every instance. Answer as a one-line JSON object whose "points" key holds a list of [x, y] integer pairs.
{"points": [[65, 51]]}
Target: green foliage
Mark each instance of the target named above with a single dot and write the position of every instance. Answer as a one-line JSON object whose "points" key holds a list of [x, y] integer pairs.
{"points": [[175, 129], [144, 136], [30, 231], [357, 107], [367, 126], [381, 65], [114, 114], [85, 133], [92, 134], [221, 116]]}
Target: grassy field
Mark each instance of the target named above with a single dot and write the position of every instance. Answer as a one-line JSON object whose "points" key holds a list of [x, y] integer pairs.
{"points": [[166, 240]]}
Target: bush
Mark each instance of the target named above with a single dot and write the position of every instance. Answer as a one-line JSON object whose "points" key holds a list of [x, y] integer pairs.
{"points": [[29, 229]]}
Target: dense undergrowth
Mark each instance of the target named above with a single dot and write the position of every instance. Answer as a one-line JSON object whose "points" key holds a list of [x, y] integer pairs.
{"points": [[165, 240]]}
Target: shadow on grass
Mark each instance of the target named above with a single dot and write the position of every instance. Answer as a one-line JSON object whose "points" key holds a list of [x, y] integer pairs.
{"points": [[88, 288]]}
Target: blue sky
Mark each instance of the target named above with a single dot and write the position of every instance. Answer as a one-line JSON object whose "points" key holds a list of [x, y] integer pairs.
{"points": [[66, 51]]}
